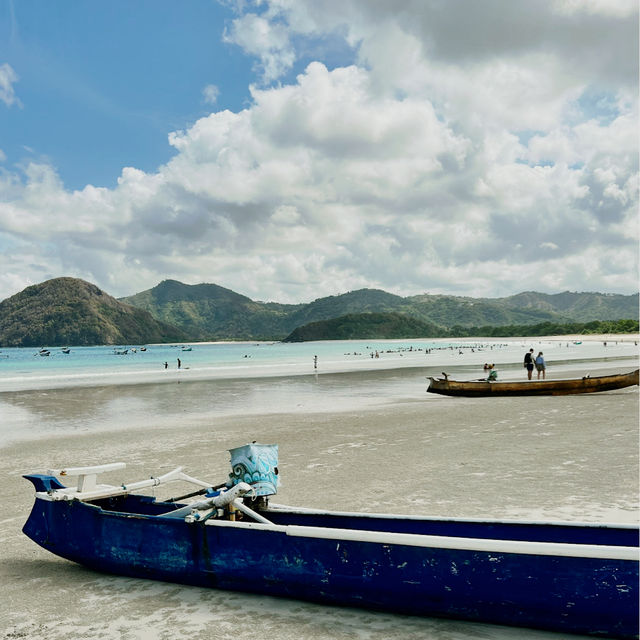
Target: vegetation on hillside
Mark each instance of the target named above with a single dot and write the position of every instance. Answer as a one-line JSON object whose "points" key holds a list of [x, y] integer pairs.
{"points": [[68, 311], [210, 312], [363, 326], [391, 325], [548, 329]]}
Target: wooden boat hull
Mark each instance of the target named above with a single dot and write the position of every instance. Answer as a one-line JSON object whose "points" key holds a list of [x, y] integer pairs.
{"points": [[444, 386], [564, 577]]}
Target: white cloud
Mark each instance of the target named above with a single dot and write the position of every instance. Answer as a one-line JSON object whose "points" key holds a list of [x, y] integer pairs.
{"points": [[618, 8], [267, 40], [7, 79], [210, 94], [456, 156]]}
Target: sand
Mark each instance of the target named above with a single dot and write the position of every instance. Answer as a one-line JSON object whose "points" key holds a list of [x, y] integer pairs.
{"points": [[568, 458]]}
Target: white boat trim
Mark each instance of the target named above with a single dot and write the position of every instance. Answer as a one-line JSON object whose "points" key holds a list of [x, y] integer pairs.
{"points": [[443, 542], [394, 516]]}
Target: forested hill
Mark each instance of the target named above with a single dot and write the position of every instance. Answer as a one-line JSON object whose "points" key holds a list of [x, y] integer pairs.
{"points": [[71, 311], [211, 312], [208, 311], [68, 311], [365, 326]]}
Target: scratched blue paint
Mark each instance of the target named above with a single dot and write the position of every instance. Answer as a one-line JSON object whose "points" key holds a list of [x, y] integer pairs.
{"points": [[128, 536]]}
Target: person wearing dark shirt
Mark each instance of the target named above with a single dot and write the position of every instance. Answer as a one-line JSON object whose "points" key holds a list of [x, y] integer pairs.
{"points": [[528, 363]]}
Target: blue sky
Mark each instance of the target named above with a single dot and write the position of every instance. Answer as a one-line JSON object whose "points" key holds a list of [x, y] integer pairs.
{"points": [[102, 83], [294, 149]]}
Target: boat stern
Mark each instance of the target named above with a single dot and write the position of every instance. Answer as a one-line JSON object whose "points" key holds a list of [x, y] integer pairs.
{"points": [[44, 482], [38, 526]]}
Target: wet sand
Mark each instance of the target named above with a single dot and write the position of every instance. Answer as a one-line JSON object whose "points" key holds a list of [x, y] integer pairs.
{"points": [[568, 458]]}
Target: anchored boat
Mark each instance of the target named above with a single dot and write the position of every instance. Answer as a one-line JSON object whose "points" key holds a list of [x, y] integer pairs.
{"points": [[478, 388], [562, 576]]}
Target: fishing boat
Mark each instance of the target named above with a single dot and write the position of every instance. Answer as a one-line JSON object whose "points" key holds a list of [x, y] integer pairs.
{"points": [[486, 387], [570, 577]]}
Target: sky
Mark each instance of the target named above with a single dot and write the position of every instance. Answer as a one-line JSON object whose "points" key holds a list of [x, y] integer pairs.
{"points": [[295, 149]]}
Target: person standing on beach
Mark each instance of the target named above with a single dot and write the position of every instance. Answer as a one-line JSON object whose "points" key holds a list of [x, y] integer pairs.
{"points": [[179, 363], [315, 362], [540, 366], [528, 363]]}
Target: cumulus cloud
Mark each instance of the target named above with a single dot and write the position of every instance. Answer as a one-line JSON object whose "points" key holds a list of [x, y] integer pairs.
{"points": [[266, 39], [463, 152]]}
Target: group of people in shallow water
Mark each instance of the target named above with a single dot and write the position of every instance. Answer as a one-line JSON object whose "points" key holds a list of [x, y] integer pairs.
{"points": [[538, 362]]}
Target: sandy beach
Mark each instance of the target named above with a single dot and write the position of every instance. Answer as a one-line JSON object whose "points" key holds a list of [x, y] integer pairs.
{"points": [[369, 440]]}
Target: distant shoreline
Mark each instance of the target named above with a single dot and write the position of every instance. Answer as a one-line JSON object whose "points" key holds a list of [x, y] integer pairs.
{"points": [[591, 337], [463, 358]]}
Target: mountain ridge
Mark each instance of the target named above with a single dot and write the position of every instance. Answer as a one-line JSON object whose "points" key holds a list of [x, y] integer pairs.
{"points": [[71, 311], [271, 320]]}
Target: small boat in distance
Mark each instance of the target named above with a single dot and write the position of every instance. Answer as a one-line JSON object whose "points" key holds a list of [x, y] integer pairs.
{"points": [[120, 352], [483, 388], [187, 349], [568, 577]]}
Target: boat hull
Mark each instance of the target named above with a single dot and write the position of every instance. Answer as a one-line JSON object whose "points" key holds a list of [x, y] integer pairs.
{"points": [[483, 388], [377, 562]]}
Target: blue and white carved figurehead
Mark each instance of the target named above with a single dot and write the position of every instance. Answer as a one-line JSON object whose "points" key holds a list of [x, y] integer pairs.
{"points": [[257, 465]]}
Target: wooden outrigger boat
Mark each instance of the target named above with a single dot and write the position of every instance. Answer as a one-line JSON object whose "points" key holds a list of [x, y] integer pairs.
{"points": [[570, 577], [478, 388]]}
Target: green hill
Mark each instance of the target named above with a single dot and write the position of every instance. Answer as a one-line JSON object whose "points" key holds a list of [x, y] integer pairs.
{"points": [[447, 311], [361, 326], [70, 311], [578, 307], [211, 312]]}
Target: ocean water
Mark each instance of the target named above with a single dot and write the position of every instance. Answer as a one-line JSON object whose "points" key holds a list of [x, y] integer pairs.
{"points": [[25, 368]]}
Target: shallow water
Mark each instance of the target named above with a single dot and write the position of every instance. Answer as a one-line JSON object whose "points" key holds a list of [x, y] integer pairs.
{"points": [[24, 369]]}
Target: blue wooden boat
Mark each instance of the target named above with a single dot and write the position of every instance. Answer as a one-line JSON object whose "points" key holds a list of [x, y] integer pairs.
{"points": [[562, 576]]}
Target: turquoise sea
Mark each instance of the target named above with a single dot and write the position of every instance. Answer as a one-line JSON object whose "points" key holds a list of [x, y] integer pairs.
{"points": [[28, 361], [25, 368]]}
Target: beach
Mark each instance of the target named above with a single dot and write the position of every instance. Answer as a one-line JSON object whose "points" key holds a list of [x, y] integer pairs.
{"points": [[361, 440]]}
